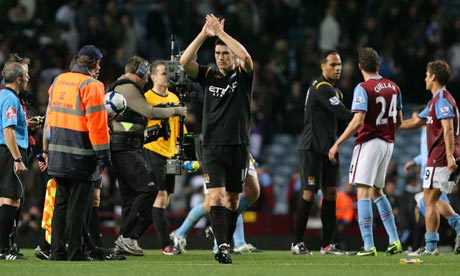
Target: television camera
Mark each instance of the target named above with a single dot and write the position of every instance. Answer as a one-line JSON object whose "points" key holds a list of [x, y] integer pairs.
{"points": [[188, 144], [179, 81]]}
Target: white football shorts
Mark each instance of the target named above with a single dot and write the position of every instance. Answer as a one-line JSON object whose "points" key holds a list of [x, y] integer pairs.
{"points": [[369, 163], [435, 176]]}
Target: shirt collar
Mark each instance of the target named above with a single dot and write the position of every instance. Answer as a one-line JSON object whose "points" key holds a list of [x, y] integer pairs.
{"points": [[11, 90]]}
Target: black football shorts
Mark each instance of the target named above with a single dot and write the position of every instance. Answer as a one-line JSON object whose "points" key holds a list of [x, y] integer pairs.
{"points": [[317, 171], [225, 166]]}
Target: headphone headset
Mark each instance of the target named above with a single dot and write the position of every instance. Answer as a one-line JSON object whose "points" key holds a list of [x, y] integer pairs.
{"points": [[17, 58], [142, 69]]}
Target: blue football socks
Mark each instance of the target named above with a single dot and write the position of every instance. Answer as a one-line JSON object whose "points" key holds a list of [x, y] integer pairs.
{"points": [[454, 222], [192, 218], [388, 219], [431, 240], [244, 204], [238, 235], [365, 220]]}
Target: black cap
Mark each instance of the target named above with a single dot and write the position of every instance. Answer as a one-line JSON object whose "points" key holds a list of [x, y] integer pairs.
{"points": [[90, 51]]}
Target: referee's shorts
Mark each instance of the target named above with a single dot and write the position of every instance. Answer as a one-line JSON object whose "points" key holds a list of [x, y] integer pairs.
{"points": [[11, 184]]}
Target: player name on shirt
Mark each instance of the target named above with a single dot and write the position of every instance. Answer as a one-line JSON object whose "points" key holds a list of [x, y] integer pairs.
{"points": [[382, 85]]}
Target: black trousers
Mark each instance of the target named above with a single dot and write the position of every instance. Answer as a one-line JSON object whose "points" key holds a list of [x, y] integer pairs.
{"points": [[137, 187], [72, 204]]}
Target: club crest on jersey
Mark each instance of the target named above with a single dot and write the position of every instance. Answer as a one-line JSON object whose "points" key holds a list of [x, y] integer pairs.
{"points": [[334, 100], [311, 180], [11, 113], [445, 110]]}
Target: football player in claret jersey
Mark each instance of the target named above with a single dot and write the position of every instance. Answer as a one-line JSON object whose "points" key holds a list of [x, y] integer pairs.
{"points": [[377, 112], [441, 117]]}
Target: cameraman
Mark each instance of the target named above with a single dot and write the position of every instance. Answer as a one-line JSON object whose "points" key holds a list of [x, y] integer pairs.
{"points": [[157, 152], [136, 180]]}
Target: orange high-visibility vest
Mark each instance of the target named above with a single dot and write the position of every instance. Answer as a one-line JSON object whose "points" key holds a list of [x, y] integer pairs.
{"points": [[77, 118]]}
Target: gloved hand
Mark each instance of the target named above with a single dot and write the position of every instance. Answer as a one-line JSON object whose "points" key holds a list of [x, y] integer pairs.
{"points": [[180, 111]]}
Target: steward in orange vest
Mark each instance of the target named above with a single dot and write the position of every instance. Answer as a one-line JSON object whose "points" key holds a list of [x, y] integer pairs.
{"points": [[78, 145], [78, 124]]}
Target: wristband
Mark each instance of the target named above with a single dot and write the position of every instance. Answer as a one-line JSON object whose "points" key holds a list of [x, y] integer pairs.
{"points": [[45, 151], [19, 159]]}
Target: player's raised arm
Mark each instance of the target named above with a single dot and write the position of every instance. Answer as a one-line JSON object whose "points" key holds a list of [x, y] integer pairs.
{"points": [[186, 60], [217, 27]]}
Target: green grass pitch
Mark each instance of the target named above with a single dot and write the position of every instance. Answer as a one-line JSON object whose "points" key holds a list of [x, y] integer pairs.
{"points": [[201, 262]]}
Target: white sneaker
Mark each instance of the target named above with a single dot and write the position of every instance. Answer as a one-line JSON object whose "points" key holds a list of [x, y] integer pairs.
{"points": [[300, 249], [178, 241], [331, 249], [247, 248], [424, 252], [457, 244], [129, 245]]}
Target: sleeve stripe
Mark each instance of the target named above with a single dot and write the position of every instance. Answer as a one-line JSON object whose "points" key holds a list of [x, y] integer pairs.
{"points": [[321, 83]]}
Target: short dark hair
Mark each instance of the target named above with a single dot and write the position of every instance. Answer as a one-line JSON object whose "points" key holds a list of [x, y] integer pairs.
{"points": [[219, 42], [155, 64], [11, 71], [325, 53], [440, 69], [369, 60], [133, 64]]}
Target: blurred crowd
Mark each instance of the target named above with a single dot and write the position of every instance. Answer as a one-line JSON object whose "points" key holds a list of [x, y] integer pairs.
{"points": [[284, 38]]}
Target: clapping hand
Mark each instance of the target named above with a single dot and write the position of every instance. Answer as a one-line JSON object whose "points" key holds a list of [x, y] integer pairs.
{"points": [[214, 25]]}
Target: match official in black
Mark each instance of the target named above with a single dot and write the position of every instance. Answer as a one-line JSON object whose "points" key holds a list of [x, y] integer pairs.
{"points": [[323, 109]]}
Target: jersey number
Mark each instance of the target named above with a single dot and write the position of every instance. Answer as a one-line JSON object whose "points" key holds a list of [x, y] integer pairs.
{"points": [[427, 174], [392, 111]]}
